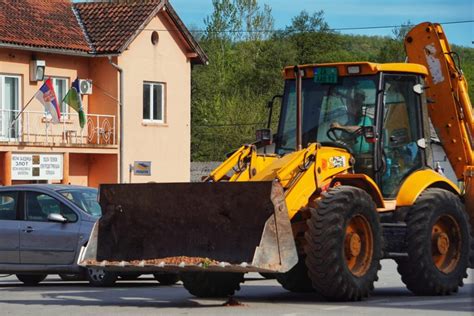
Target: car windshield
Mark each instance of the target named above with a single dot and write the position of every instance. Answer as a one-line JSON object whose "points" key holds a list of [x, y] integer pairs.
{"points": [[84, 198], [347, 102]]}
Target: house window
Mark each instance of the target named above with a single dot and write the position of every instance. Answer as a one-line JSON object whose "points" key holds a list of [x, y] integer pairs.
{"points": [[153, 102], [60, 89], [9, 106]]}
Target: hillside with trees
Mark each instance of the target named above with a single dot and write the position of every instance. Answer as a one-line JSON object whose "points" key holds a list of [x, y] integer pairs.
{"points": [[247, 55]]}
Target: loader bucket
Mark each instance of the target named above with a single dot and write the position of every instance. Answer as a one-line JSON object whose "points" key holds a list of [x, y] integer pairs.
{"points": [[235, 226]]}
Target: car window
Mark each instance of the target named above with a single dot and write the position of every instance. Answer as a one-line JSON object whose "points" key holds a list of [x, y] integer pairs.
{"points": [[40, 205], [86, 199], [8, 202]]}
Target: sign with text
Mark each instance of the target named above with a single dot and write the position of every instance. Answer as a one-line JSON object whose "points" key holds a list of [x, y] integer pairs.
{"points": [[37, 167], [142, 168]]}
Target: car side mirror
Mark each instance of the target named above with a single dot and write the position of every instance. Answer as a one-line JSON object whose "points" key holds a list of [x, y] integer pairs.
{"points": [[58, 218], [264, 136]]}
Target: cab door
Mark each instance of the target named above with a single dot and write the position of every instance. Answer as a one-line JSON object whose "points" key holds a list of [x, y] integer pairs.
{"points": [[43, 241], [9, 228], [402, 128]]}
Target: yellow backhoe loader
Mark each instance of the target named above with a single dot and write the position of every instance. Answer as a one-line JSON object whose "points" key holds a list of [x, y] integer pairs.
{"points": [[347, 180]]}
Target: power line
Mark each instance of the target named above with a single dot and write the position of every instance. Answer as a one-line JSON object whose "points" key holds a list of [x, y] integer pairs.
{"points": [[353, 28]]}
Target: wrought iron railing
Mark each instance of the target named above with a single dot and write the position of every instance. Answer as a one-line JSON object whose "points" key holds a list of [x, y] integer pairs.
{"points": [[36, 127]]}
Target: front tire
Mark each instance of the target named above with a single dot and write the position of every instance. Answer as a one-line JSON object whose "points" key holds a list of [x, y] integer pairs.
{"points": [[344, 244], [438, 244], [31, 279], [100, 277], [212, 284]]}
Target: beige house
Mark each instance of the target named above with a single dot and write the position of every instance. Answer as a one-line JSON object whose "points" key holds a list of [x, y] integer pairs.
{"points": [[134, 62]]}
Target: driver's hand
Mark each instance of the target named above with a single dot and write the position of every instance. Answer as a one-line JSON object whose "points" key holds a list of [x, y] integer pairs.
{"points": [[335, 125]]}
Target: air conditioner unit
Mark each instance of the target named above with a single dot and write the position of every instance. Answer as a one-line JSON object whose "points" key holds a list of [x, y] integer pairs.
{"points": [[85, 86]]}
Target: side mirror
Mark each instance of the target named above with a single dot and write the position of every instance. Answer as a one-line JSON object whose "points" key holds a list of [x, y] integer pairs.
{"points": [[419, 88], [264, 136], [58, 218]]}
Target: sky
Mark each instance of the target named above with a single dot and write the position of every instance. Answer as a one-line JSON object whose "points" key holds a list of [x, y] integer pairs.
{"points": [[354, 13]]}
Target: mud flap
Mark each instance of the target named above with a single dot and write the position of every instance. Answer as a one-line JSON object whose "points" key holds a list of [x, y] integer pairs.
{"points": [[239, 226]]}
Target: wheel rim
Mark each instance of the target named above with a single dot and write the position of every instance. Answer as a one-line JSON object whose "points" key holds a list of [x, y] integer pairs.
{"points": [[446, 244], [358, 245]]}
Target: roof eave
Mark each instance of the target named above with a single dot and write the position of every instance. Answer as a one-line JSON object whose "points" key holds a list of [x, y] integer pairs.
{"points": [[69, 52]]}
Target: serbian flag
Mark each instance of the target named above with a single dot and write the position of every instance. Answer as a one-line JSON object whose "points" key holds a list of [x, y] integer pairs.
{"points": [[47, 97], [73, 99]]}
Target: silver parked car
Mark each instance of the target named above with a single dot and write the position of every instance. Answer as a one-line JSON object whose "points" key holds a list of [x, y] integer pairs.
{"points": [[44, 228]]}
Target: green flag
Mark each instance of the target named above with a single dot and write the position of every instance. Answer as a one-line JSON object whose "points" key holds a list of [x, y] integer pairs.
{"points": [[73, 99]]}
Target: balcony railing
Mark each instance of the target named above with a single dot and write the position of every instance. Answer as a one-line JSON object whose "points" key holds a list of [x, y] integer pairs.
{"points": [[37, 128]]}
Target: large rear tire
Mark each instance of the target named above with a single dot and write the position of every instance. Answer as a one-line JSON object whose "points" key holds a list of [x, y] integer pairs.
{"points": [[212, 284], [344, 245], [438, 244], [31, 279]]}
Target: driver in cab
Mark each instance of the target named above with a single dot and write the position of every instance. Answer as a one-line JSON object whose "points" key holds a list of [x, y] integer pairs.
{"points": [[356, 119]]}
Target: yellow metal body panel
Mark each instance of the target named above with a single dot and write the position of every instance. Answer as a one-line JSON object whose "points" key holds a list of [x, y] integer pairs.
{"points": [[366, 68], [364, 182], [300, 173], [419, 181]]}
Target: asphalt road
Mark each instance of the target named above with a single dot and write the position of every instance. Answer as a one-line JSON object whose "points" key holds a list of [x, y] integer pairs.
{"points": [[257, 296]]}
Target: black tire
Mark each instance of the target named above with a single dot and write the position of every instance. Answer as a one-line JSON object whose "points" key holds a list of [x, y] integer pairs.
{"points": [[31, 279], [212, 284], [435, 208], [166, 278], [100, 277], [297, 279], [73, 276], [332, 274]]}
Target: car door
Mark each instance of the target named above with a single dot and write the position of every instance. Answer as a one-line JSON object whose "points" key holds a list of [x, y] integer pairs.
{"points": [[43, 241], [9, 228]]}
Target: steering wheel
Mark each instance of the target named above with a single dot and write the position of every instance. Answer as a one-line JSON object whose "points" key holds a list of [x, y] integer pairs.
{"points": [[346, 138]]}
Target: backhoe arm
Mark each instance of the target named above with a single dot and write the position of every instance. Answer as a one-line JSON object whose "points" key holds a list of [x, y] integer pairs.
{"points": [[449, 106]]}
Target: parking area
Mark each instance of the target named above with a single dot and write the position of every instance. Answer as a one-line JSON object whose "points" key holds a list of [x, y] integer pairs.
{"points": [[256, 297]]}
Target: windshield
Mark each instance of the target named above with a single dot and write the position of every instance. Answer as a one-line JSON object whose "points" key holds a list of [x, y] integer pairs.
{"points": [[349, 102], [86, 199]]}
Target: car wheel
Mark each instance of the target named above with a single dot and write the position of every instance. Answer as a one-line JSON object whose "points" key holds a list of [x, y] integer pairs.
{"points": [[100, 277], [31, 279]]}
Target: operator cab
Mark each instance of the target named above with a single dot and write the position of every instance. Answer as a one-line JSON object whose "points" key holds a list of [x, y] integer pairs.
{"points": [[371, 110]]}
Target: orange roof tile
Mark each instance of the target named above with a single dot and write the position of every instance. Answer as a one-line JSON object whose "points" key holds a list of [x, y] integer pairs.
{"points": [[95, 28], [41, 23]]}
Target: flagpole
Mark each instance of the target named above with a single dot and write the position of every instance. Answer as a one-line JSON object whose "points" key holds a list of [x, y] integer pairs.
{"points": [[22, 110]]}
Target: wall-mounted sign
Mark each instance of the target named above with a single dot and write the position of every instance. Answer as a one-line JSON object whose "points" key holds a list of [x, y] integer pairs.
{"points": [[37, 167], [142, 168]]}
